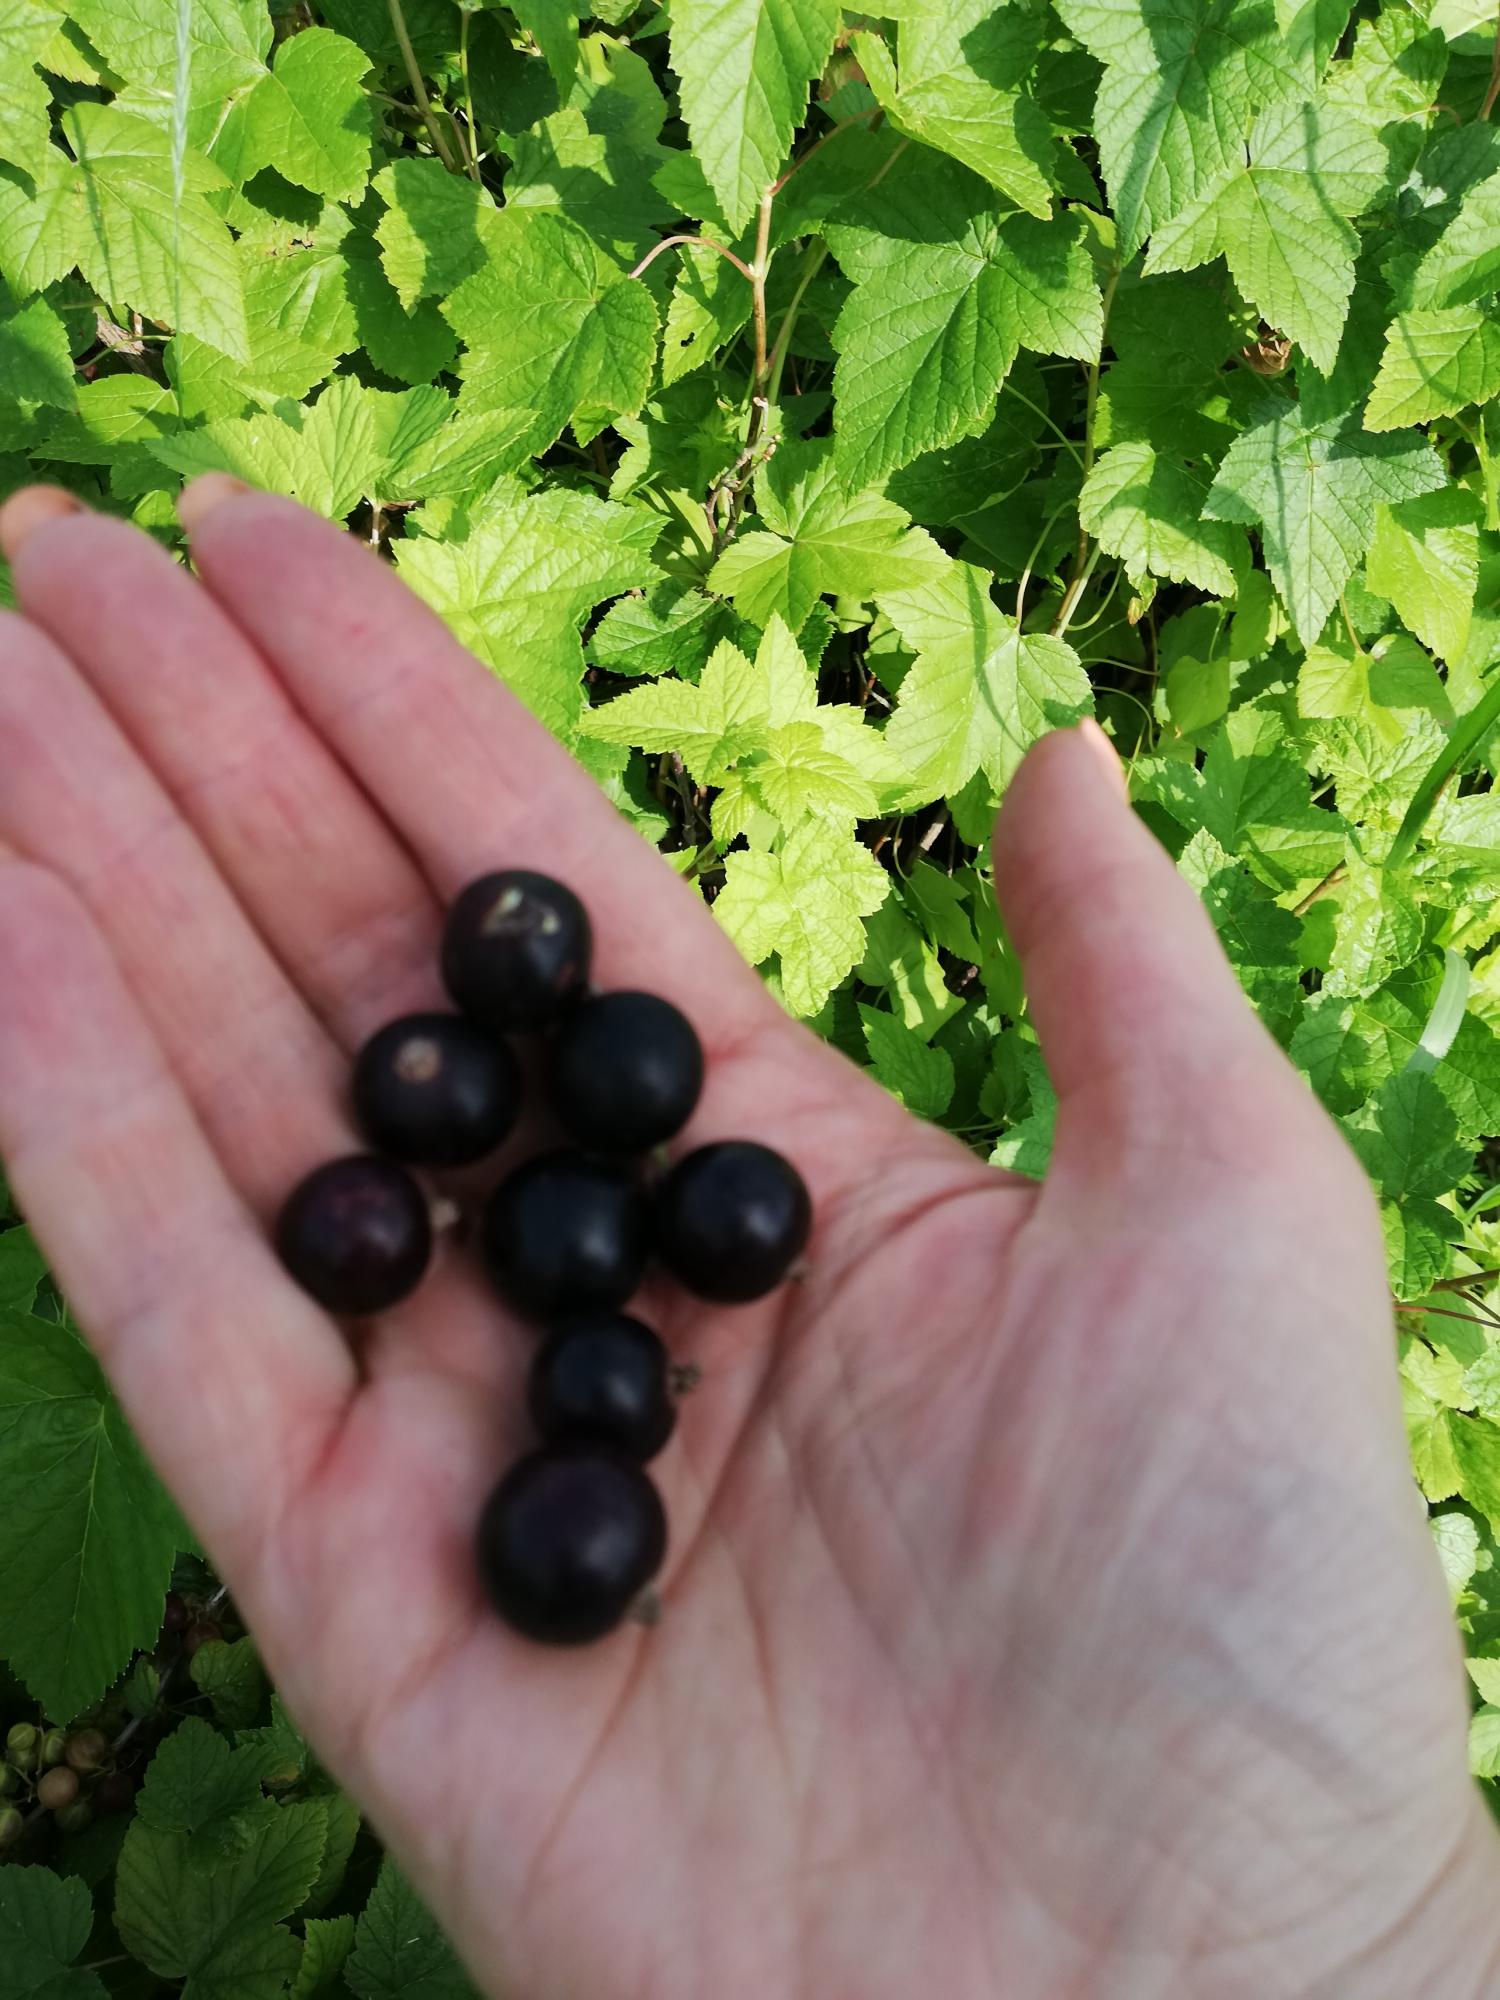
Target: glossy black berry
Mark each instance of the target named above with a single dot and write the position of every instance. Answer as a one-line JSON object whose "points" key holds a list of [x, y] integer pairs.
{"points": [[568, 1540], [516, 950], [731, 1220], [565, 1234], [356, 1234], [603, 1380], [627, 1069], [436, 1090]]}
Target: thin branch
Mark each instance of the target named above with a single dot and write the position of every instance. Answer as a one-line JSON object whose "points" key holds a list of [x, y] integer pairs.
{"points": [[463, 70], [1493, 92], [419, 88], [817, 253], [707, 242], [875, 111], [1331, 880]]}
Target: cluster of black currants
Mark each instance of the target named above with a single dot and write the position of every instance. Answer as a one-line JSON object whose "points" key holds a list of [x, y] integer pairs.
{"points": [[575, 1531]]}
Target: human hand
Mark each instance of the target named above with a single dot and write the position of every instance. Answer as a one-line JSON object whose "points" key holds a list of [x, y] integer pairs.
{"points": [[1049, 1608]]}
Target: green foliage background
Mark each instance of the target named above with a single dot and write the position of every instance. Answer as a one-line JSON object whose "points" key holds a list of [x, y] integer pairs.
{"points": [[803, 410]]}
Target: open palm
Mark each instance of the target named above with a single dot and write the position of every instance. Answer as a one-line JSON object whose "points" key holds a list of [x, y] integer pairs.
{"points": [[1049, 1611]]}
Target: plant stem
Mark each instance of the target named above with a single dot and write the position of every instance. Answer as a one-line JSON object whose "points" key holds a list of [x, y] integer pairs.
{"points": [[812, 263], [1331, 880], [1091, 404], [419, 88], [463, 70], [1073, 593], [1493, 92], [706, 242], [758, 272], [875, 111], [1468, 732]]}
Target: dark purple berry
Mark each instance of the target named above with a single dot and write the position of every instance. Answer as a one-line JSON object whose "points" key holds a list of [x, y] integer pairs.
{"points": [[603, 1380], [436, 1090], [516, 950], [357, 1235], [567, 1541], [114, 1792], [565, 1234], [627, 1070], [731, 1220], [175, 1616]]}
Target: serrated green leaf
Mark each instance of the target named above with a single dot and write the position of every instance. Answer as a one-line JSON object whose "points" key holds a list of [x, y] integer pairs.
{"points": [[25, 31], [1435, 363], [516, 586], [744, 67], [1281, 221], [218, 1927], [146, 238], [429, 232], [22, 1268], [326, 1945], [962, 65], [981, 692], [820, 535], [327, 454], [554, 26], [86, 1534], [308, 117], [45, 1920], [806, 903], [710, 724], [399, 1952], [41, 228], [948, 289], [1147, 511], [1424, 557], [1312, 490], [222, 55], [198, 1784], [234, 1680], [597, 182], [1464, 263], [916, 1075], [552, 325]]}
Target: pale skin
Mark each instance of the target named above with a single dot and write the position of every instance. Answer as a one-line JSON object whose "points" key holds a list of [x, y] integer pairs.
{"points": [[1050, 1612]]}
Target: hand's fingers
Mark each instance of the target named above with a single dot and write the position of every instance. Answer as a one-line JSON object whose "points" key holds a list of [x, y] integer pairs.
{"points": [[263, 1077], [469, 777], [1148, 1036], [233, 1380], [319, 871]]}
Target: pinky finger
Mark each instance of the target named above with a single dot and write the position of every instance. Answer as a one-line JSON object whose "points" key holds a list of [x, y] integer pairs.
{"points": [[234, 1382]]}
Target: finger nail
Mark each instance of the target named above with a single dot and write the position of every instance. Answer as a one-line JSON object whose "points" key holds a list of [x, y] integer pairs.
{"points": [[1091, 734], [30, 509], [198, 499]]}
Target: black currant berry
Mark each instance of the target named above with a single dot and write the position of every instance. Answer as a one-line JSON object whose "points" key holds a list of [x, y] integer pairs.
{"points": [[603, 1380], [567, 1540], [626, 1072], [516, 950], [565, 1234], [356, 1235], [436, 1090], [731, 1220]]}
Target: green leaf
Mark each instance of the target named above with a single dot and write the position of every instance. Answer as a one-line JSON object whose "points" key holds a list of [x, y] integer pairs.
{"points": [[41, 229], [552, 326], [145, 239], [217, 1926], [1147, 511], [1260, 939], [200, 1787], [1435, 363], [1464, 263], [86, 1534], [1484, 1743], [516, 585], [1425, 558], [948, 290], [554, 26], [710, 302], [599, 183], [820, 535], [981, 692], [1181, 80], [327, 454], [25, 31], [806, 903], [308, 118], [234, 1680], [1406, 1138], [226, 45], [22, 1268], [710, 725], [744, 67], [919, 1077], [326, 1944], [429, 234], [1312, 489], [1281, 221], [45, 1920], [962, 65], [399, 1952]]}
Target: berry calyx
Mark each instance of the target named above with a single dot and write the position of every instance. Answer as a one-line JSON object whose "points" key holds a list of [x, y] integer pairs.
{"points": [[516, 950], [567, 1540], [57, 1788], [435, 1090], [627, 1070], [731, 1220], [566, 1234], [356, 1235], [603, 1380], [86, 1749]]}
